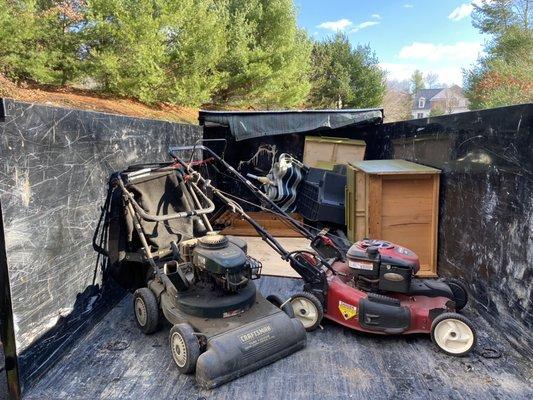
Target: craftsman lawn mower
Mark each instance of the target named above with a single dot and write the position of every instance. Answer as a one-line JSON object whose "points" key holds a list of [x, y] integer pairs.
{"points": [[161, 246], [370, 288]]}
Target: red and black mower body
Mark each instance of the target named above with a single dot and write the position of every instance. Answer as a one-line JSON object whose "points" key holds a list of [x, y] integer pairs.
{"points": [[375, 291]]}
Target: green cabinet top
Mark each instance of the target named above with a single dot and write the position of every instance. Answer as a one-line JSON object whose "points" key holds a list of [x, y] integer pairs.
{"points": [[388, 167]]}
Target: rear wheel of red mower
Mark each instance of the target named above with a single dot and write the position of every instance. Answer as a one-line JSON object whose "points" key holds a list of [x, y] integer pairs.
{"points": [[308, 309], [460, 292], [454, 334], [185, 347], [146, 310], [278, 302]]}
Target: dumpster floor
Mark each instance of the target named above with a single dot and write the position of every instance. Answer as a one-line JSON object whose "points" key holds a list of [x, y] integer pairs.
{"points": [[116, 361]]}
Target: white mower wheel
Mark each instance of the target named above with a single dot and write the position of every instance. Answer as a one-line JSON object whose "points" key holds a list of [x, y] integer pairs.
{"points": [[185, 347], [307, 309], [146, 310], [283, 305], [454, 334]]}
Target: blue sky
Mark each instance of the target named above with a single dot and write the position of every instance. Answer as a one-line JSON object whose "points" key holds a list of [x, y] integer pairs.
{"points": [[431, 35]]}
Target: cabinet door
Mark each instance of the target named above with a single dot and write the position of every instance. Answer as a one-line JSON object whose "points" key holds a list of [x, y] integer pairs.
{"points": [[407, 211]]}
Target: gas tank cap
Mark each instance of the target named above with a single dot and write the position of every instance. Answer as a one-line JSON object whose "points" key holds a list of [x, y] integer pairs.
{"points": [[372, 250]]}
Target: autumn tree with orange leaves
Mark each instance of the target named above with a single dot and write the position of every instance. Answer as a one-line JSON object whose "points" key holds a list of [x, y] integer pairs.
{"points": [[504, 75]]}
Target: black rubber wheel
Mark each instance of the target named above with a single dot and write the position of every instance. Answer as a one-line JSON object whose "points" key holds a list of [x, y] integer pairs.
{"points": [[453, 334], [277, 301], [184, 347], [146, 310], [307, 309], [460, 292]]}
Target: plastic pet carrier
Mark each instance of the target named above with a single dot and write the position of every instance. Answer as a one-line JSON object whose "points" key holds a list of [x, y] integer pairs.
{"points": [[321, 196]]}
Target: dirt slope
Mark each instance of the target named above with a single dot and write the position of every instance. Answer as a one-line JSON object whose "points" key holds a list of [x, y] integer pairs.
{"points": [[87, 100]]}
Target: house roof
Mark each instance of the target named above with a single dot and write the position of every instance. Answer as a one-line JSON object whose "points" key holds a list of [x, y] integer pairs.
{"points": [[427, 94], [250, 124]]}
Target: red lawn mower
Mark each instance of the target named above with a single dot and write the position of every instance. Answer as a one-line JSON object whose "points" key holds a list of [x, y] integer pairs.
{"points": [[372, 288]]}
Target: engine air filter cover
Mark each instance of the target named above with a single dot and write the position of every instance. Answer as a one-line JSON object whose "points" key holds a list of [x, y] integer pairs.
{"points": [[213, 241]]}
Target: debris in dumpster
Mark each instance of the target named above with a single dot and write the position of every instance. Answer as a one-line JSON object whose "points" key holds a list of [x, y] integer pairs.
{"points": [[397, 200], [325, 152], [488, 352], [374, 290], [321, 196], [282, 181]]}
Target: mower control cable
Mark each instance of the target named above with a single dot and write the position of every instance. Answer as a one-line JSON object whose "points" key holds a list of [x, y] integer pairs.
{"points": [[242, 179]]}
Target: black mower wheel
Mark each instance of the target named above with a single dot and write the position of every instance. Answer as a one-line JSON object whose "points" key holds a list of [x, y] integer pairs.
{"points": [[185, 347], [308, 309], [278, 302], [146, 310], [453, 334], [460, 292]]}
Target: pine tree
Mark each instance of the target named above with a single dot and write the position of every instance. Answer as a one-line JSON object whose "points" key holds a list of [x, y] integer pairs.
{"points": [[17, 36], [343, 77], [40, 41], [195, 44], [126, 47], [417, 82], [267, 57], [57, 42]]}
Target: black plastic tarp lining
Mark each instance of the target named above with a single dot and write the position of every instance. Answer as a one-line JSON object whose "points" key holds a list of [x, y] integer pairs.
{"points": [[251, 124]]}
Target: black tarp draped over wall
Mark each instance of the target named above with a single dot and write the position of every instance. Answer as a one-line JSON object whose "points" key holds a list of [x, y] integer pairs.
{"points": [[55, 163], [54, 168]]}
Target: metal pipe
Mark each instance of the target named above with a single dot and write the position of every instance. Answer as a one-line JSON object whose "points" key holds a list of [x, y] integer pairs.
{"points": [[197, 204], [160, 218]]}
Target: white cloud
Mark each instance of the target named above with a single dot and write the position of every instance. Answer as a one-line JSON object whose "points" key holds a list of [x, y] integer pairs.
{"points": [[376, 16], [407, 6], [400, 72], [363, 25], [464, 10], [460, 51], [344, 24], [335, 26], [446, 60]]}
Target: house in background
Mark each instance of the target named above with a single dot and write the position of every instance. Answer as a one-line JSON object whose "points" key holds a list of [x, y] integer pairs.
{"points": [[439, 101]]}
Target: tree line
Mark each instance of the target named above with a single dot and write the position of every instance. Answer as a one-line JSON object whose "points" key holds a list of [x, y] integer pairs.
{"points": [[504, 74], [231, 53]]}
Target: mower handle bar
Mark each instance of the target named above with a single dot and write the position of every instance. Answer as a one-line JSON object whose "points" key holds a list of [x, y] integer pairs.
{"points": [[160, 218]]}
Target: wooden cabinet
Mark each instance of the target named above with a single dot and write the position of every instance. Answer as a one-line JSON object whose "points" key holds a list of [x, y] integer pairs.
{"points": [[325, 152], [398, 201]]}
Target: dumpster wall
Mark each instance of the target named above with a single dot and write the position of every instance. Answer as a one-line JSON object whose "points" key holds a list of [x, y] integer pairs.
{"points": [[486, 203], [55, 163]]}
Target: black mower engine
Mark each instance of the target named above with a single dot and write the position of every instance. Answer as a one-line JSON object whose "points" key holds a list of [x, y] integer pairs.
{"points": [[378, 265], [220, 260]]}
